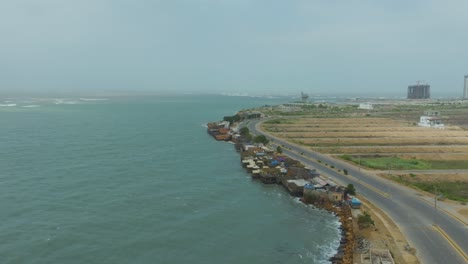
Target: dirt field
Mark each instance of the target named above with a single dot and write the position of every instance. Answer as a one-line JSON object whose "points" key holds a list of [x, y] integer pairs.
{"points": [[463, 212], [369, 135]]}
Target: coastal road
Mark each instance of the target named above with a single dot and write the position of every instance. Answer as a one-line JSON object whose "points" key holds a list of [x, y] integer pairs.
{"points": [[437, 236]]}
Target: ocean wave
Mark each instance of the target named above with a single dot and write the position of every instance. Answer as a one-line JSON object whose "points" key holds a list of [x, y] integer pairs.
{"points": [[30, 106], [330, 250], [65, 102], [7, 105], [94, 99]]}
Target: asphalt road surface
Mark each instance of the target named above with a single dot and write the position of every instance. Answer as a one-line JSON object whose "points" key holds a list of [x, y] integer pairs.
{"points": [[437, 237]]}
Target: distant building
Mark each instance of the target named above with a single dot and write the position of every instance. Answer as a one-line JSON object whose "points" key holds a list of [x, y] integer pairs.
{"points": [[431, 113], [419, 91], [290, 107], [430, 121], [465, 91], [366, 106]]}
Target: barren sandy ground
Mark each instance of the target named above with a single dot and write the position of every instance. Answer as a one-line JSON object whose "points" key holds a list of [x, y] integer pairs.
{"points": [[463, 212], [385, 235], [386, 136], [363, 135]]}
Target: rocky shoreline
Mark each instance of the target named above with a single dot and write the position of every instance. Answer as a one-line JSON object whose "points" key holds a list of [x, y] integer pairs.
{"points": [[272, 167]]}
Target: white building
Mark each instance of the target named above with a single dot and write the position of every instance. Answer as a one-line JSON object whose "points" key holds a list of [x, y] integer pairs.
{"points": [[430, 121], [366, 106]]}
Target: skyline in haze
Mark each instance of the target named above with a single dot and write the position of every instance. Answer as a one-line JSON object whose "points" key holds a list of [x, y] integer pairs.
{"points": [[221, 46]]}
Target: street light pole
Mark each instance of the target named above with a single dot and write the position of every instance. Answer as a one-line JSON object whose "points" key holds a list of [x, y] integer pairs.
{"points": [[435, 204], [359, 168]]}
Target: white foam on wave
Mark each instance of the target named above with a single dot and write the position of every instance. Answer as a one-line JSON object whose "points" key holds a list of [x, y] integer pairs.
{"points": [[7, 105], [331, 249], [94, 99], [30, 106], [64, 102]]}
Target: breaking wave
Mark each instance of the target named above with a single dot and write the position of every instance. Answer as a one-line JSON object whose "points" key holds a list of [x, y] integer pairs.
{"points": [[65, 102], [30, 106], [94, 99]]}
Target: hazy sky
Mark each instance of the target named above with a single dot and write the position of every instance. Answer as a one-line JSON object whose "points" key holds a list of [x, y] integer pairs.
{"points": [[255, 46]]}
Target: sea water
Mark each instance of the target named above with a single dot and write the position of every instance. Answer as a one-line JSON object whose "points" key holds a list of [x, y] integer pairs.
{"points": [[138, 180]]}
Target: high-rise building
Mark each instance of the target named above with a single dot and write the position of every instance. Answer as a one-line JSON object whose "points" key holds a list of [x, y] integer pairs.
{"points": [[419, 91], [465, 91]]}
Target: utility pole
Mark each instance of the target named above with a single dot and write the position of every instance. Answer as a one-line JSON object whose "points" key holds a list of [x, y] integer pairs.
{"points": [[435, 204], [359, 163]]}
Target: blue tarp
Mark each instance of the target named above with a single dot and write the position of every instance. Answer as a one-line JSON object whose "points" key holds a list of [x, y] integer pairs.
{"points": [[355, 201]]}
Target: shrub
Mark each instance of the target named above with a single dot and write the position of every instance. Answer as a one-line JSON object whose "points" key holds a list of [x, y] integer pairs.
{"points": [[244, 131], [345, 171], [350, 189], [346, 157], [365, 220], [261, 139], [279, 150]]}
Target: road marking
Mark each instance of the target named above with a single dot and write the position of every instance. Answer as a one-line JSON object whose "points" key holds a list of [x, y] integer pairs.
{"points": [[453, 243], [384, 194], [388, 195], [445, 211]]}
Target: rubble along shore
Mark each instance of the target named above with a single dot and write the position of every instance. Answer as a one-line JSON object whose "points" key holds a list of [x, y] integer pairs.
{"points": [[271, 167]]}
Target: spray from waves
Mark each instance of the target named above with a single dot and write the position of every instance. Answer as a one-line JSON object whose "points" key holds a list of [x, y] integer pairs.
{"points": [[7, 105], [329, 249]]}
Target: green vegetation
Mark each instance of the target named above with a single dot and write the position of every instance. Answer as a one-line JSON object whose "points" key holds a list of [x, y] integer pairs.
{"points": [[261, 139], [350, 189], [385, 163], [365, 220], [457, 191], [232, 119], [279, 149], [397, 163], [345, 171], [449, 164], [278, 121], [244, 131]]}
